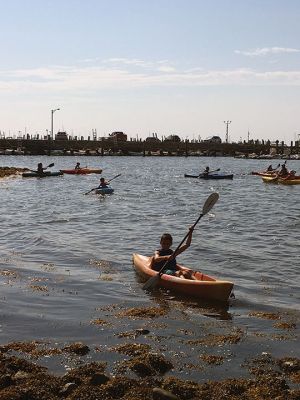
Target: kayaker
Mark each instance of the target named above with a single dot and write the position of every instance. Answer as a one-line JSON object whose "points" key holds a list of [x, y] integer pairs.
{"points": [[166, 253], [40, 169], [206, 171], [284, 171], [270, 168], [102, 184], [77, 166]]}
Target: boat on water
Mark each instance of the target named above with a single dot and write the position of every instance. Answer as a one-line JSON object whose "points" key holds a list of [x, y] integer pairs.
{"points": [[210, 176], [82, 171], [289, 180], [204, 286], [105, 190], [45, 174], [263, 173]]}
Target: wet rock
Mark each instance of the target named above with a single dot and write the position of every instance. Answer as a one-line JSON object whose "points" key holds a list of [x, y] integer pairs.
{"points": [[68, 388], [161, 394], [77, 348], [99, 379], [142, 331], [150, 364], [5, 381], [21, 375], [7, 171]]}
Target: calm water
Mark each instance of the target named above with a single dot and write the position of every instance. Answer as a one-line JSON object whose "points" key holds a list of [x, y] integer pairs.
{"points": [[69, 254]]}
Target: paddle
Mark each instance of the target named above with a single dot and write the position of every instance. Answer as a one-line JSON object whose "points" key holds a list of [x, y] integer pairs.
{"points": [[208, 205], [50, 165], [215, 170], [107, 182]]}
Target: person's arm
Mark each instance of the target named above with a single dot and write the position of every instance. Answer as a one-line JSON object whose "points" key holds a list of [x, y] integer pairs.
{"points": [[187, 243], [157, 258]]}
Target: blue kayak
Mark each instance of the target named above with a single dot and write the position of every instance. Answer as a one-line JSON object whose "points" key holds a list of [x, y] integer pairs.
{"points": [[210, 176], [106, 190]]}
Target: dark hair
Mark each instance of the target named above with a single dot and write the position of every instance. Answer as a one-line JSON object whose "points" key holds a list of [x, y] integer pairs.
{"points": [[166, 236], [102, 179]]}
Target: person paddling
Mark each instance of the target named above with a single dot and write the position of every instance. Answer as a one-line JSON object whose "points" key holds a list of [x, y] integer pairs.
{"points": [[284, 171], [40, 168], [77, 166], [206, 171], [166, 253], [103, 184]]}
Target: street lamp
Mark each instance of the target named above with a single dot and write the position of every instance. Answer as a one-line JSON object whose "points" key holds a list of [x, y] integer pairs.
{"points": [[227, 123], [52, 112]]}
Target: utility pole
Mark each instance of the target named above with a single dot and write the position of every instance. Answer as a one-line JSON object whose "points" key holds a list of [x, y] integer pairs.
{"points": [[52, 112], [227, 123]]}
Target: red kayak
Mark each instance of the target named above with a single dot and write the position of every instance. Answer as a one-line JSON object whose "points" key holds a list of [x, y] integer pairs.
{"points": [[81, 171]]}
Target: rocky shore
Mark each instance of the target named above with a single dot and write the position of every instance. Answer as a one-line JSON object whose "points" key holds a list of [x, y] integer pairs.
{"points": [[22, 379], [8, 171]]}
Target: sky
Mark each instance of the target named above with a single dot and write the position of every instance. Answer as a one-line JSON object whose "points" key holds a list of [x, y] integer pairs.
{"points": [[180, 67]]}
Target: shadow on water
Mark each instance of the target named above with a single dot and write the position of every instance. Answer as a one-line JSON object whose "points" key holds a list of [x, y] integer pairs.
{"points": [[207, 308]]}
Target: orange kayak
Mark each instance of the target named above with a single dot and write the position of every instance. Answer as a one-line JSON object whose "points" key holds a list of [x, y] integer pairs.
{"points": [[81, 171], [203, 287], [263, 173]]}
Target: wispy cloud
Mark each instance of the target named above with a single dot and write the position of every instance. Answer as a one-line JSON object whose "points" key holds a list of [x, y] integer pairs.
{"points": [[90, 80], [264, 51]]}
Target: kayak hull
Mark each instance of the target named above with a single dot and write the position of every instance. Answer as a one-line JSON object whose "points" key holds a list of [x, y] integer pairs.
{"points": [[204, 287], [265, 173], [82, 171], [295, 180], [103, 191], [43, 175], [210, 176]]}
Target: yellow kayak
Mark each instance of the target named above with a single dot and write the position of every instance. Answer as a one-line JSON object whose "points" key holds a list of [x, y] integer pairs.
{"points": [[289, 180]]}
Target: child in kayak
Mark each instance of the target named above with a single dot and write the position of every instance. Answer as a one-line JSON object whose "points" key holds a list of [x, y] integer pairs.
{"points": [[103, 184], [284, 171], [40, 169], [166, 253], [206, 171]]}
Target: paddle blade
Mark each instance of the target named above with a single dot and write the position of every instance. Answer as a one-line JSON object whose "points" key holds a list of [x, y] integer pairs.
{"points": [[210, 202], [50, 165], [151, 282]]}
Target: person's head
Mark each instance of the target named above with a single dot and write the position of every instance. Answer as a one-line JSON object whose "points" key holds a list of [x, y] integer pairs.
{"points": [[78, 163], [102, 180], [40, 165], [207, 169], [166, 241]]}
